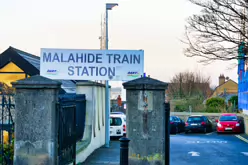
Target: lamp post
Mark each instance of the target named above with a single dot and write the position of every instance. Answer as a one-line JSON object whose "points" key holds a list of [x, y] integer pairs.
{"points": [[109, 6]]}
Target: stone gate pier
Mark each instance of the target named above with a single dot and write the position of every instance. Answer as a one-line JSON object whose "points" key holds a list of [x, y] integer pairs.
{"points": [[35, 121], [145, 121]]}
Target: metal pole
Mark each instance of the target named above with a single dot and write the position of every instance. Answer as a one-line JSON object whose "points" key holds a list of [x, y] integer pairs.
{"points": [[107, 98], [124, 150], [167, 133], [2, 136]]}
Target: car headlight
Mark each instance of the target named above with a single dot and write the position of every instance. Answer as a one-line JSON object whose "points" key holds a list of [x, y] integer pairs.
{"points": [[237, 125], [219, 125]]}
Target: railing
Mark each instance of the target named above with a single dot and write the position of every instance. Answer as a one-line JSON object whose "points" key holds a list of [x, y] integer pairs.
{"points": [[66, 113], [71, 110], [6, 129]]}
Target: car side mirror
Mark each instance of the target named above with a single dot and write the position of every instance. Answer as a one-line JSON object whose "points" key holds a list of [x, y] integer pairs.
{"points": [[217, 121]]}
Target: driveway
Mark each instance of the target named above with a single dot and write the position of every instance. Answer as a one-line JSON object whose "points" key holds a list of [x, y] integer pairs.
{"points": [[190, 149], [208, 149]]}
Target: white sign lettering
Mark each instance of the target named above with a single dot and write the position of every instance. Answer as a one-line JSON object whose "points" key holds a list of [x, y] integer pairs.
{"points": [[245, 153], [206, 142], [194, 153]]}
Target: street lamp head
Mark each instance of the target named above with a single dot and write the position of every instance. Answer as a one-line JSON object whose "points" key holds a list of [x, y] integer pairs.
{"points": [[110, 6]]}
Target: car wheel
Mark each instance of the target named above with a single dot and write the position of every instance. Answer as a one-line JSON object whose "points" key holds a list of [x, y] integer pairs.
{"points": [[186, 132], [205, 130], [177, 130]]}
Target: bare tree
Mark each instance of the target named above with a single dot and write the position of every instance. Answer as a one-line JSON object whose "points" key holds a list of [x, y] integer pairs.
{"points": [[5, 89], [215, 33], [188, 84]]}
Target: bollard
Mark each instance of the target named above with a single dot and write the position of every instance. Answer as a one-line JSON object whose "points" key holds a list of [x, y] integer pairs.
{"points": [[167, 133], [124, 150]]}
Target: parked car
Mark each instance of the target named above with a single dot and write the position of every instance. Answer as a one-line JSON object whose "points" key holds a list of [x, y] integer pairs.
{"points": [[198, 123], [176, 125], [117, 125], [230, 123]]}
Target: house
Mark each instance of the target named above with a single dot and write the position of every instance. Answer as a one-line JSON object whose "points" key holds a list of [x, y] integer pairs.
{"points": [[226, 88], [16, 64]]}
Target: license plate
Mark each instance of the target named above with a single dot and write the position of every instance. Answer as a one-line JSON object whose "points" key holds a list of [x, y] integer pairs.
{"points": [[118, 131], [228, 128], [193, 124]]}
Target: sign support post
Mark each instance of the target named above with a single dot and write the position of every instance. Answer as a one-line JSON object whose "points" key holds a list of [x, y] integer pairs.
{"points": [[107, 98]]}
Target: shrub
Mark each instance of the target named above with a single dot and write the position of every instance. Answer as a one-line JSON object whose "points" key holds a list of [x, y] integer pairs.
{"points": [[234, 100], [8, 150], [182, 105], [216, 105], [212, 110], [180, 108]]}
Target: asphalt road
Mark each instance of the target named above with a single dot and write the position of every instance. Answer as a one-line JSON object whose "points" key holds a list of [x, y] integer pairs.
{"points": [[189, 149], [208, 149]]}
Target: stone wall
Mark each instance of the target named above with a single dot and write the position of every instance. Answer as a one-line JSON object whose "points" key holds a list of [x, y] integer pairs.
{"points": [[246, 123], [211, 116], [185, 115]]}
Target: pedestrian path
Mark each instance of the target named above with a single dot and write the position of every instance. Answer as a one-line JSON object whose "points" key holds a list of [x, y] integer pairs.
{"points": [[105, 156]]}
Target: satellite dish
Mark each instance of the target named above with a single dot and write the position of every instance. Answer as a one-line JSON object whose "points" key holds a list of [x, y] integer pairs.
{"points": [[227, 78]]}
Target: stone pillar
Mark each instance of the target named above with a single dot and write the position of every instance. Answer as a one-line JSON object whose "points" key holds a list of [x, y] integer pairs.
{"points": [[145, 120], [35, 121]]}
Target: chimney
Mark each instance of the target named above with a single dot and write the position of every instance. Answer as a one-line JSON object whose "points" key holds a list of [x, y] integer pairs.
{"points": [[221, 79]]}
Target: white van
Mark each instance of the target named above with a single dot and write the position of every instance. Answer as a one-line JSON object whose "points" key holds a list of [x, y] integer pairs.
{"points": [[117, 125]]}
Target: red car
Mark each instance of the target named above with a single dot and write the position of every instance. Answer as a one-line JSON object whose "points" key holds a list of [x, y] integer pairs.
{"points": [[229, 123]]}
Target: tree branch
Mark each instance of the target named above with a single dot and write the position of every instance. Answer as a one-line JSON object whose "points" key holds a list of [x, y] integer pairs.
{"points": [[214, 34]]}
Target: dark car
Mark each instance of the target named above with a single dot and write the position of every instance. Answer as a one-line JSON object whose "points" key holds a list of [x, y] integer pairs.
{"points": [[176, 125], [198, 123]]}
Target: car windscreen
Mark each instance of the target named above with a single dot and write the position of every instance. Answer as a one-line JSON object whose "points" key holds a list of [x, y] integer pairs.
{"points": [[115, 121], [195, 119], [228, 118], [171, 118]]}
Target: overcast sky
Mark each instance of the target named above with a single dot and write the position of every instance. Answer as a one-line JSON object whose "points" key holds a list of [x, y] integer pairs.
{"points": [[153, 25]]}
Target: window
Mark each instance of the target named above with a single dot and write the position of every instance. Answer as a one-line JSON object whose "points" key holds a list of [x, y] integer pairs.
{"points": [[228, 118], [115, 121], [195, 119], [177, 119], [205, 118], [181, 120]]}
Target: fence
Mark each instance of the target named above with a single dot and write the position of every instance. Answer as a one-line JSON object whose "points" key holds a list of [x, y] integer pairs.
{"points": [[7, 108], [71, 121]]}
